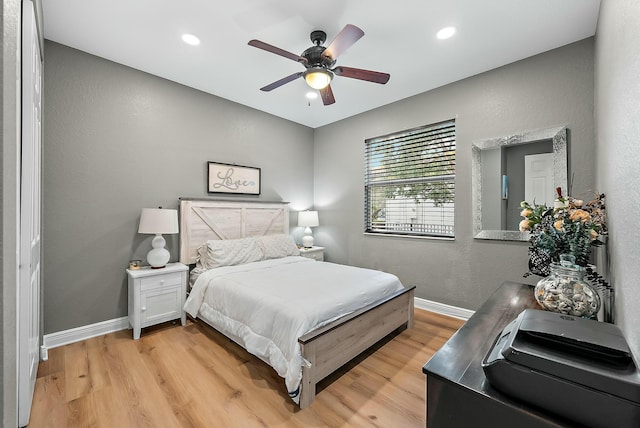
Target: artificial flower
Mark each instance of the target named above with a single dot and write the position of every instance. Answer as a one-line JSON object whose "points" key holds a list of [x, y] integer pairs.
{"points": [[524, 225], [579, 215], [526, 213]]}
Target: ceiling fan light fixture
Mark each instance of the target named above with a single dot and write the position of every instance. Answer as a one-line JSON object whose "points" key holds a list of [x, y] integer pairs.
{"points": [[318, 78], [319, 60]]}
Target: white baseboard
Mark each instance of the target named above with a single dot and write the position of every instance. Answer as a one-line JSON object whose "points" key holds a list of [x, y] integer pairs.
{"points": [[44, 354], [61, 338], [441, 308], [65, 337]]}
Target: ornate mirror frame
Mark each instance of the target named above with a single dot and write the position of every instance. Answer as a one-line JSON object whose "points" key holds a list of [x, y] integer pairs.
{"points": [[557, 135]]}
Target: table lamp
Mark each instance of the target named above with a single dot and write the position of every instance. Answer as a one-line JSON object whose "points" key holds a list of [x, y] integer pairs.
{"points": [[158, 221], [308, 219]]}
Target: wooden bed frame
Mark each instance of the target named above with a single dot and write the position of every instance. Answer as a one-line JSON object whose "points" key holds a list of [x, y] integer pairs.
{"points": [[327, 348]]}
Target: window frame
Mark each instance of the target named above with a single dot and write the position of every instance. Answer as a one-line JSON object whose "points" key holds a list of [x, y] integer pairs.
{"points": [[439, 141]]}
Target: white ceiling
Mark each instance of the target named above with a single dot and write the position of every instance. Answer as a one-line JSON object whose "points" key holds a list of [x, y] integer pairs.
{"points": [[399, 39]]}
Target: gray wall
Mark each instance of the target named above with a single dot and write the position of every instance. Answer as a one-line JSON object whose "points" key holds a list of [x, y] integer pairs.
{"points": [[117, 140], [550, 89], [618, 151]]}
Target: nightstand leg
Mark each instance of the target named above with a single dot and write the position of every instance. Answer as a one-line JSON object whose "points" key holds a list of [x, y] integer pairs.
{"points": [[136, 333], [183, 320]]}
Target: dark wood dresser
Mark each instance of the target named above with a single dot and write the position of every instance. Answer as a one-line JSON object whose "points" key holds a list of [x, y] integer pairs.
{"points": [[458, 393]]}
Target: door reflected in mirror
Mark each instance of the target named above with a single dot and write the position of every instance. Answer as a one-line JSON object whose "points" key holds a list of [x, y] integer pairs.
{"points": [[507, 170]]}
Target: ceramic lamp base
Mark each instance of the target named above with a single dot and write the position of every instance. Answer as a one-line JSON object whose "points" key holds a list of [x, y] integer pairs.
{"points": [[158, 257], [307, 239]]}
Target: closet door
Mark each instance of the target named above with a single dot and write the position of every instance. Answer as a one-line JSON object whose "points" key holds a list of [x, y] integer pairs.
{"points": [[29, 271]]}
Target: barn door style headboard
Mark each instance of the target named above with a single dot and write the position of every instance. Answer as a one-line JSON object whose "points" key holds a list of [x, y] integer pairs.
{"points": [[202, 220]]}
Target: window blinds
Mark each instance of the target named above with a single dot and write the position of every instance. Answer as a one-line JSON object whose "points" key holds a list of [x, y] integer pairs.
{"points": [[410, 182]]}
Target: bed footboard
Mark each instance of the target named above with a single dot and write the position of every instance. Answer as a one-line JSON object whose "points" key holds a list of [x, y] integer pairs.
{"points": [[330, 347]]}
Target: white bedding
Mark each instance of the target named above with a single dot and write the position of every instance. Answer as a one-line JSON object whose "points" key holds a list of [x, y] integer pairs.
{"points": [[269, 304]]}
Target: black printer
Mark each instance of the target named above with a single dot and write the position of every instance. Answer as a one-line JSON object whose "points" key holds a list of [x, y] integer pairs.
{"points": [[581, 370]]}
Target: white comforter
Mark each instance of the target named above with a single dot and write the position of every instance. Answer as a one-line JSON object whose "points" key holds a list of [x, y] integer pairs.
{"points": [[270, 304]]}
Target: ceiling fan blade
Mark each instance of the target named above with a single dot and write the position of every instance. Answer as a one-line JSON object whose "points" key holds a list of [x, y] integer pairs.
{"points": [[281, 82], [270, 48], [360, 74], [327, 95], [343, 41]]}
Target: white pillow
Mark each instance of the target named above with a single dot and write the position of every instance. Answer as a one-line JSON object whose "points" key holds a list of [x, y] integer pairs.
{"points": [[277, 246], [231, 252], [201, 256]]}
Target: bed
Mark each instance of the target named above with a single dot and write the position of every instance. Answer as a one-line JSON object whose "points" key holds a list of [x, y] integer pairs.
{"points": [[255, 289]]}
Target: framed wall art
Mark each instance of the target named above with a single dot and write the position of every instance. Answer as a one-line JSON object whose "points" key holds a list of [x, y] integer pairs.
{"points": [[234, 179]]}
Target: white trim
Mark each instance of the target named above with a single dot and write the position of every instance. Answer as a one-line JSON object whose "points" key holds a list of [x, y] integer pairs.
{"points": [[65, 337], [44, 354], [441, 308]]}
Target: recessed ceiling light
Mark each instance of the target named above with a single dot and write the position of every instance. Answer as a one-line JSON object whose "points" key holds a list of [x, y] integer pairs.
{"points": [[446, 32], [190, 39], [312, 95]]}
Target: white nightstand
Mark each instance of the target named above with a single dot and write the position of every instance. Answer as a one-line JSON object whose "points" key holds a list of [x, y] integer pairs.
{"points": [[315, 253], [156, 295]]}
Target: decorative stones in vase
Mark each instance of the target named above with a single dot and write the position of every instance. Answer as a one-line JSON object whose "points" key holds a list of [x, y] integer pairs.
{"points": [[565, 290]]}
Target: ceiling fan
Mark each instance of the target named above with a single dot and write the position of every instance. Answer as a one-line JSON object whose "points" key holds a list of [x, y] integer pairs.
{"points": [[318, 60]]}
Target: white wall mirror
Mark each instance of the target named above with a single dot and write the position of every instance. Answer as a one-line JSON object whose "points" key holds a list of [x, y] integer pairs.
{"points": [[508, 170]]}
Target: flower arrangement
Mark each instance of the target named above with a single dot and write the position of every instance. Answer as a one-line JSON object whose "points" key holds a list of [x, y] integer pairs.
{"points": [[569, 227]]}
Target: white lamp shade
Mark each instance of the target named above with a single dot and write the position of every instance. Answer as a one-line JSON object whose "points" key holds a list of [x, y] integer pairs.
{"points": [[158, 220], [308, 219]]}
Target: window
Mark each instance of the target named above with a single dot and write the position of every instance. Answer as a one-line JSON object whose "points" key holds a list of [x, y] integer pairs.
{"points": [[410, 182]]}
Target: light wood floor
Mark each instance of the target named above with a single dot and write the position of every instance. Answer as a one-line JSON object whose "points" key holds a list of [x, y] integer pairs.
{"points": [[192, 376]]}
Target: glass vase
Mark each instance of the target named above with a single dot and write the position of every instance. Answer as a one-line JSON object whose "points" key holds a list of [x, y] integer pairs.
{"points": [[565, 291]]}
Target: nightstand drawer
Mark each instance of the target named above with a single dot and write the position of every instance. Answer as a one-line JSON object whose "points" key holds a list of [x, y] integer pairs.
{"points": [[159, 281]]}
